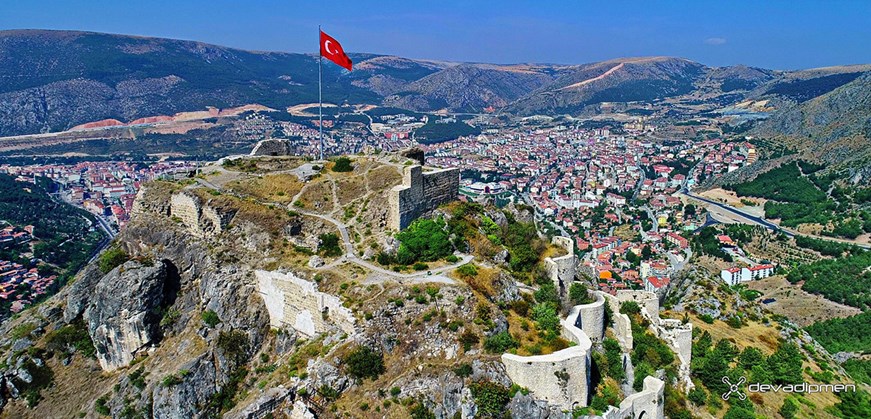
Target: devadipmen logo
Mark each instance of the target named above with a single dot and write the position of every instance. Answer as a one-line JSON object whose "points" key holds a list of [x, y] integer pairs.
{"points": [[782, 388], [734, 388]]}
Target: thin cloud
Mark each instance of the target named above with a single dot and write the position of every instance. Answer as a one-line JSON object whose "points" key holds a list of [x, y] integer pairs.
{"points": [[715, 41]]}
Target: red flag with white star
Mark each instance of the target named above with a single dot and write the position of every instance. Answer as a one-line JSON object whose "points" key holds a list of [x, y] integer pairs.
{"points": [[332, 50]]}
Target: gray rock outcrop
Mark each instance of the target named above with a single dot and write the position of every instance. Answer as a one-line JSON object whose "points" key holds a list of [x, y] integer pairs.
{"points": [[80, 292], [122, 315], [182, 400]]}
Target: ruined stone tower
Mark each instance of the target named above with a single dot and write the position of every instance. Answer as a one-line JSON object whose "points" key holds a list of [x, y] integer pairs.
{"points": [[420, 193]]}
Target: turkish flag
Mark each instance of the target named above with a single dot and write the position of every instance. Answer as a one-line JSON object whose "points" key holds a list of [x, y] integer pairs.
{"points": [[332, 50]]}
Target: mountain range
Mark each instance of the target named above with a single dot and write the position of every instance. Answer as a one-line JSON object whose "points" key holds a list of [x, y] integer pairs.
{"points": [[54, 80]]}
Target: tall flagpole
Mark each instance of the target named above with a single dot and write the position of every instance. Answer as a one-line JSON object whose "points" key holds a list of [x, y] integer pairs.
{"points": [[320, 97]]}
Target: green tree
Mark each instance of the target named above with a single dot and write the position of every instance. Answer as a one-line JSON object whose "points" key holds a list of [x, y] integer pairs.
{"points": [[424, 240], [363, 362], [547, 293], [646, 253], [630, 308], [330, 245], [750, 357], [736, 412], [614, 357], [697, 396], [546, 316], [853, 404], [343, 164], [785, 364], [490, 398], [789, 408], [578, 294], [500, 342]]}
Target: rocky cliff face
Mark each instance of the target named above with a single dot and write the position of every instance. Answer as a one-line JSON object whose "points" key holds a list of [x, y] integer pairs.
{"points": [[122, 315], [834, 127]]}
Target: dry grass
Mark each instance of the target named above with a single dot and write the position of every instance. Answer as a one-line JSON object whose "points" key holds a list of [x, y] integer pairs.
{"points": [[625, 232], [279, 188], [265, 164], [553, 251], [350, 189], [384, 177], [483, 282], [765, 338], [801, 307], [318, 196], [70, 393]]}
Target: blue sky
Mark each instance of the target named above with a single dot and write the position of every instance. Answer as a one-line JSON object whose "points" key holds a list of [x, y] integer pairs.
{"points": [[771, 34]]}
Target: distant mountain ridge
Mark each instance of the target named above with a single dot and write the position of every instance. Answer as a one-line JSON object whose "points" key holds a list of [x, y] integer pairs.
{"points": [[834, 127], [55, 80]]}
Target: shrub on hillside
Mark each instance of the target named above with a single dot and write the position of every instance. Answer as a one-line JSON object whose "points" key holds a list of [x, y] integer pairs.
{"points": [[363, 362], [343, 164], [112, 258]]}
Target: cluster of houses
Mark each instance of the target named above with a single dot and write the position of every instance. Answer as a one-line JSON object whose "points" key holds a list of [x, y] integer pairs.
{"points": [[13, 276], [10, 235]]}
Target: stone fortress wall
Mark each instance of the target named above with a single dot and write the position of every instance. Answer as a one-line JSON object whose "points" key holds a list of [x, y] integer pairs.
{"points": [[622, 324], [562, 378], [590, 318], [420, 193], [271, 147], [562, 269], [296, 303], [202, 220], [647, 403], [677, 335]]}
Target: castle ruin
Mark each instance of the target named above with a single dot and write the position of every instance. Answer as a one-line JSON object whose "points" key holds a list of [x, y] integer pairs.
{"points": [[201, 219], [420, 193], [296, 303], [272, 147], [562, 269], [563, 377]]}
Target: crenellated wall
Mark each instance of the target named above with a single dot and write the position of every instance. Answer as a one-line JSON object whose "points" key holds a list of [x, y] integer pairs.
{"points": [[420, 193], [297, 303]]}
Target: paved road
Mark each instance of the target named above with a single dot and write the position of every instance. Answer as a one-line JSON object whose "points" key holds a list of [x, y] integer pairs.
{"points": [[677, 262], [761, 221], [640, 183], [652, 217]]}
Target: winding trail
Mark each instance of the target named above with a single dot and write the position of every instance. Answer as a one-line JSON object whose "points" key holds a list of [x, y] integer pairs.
{"points": [[350, 255]]}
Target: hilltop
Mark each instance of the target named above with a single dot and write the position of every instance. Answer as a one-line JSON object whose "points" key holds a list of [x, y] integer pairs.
{"points": [[275, 282], [55, 80]]}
